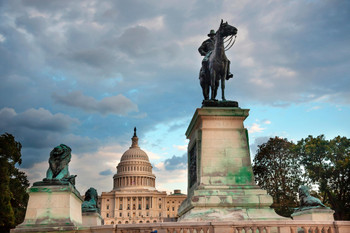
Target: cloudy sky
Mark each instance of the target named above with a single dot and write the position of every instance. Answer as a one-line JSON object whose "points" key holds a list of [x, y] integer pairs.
{"points": [[84, 73]]}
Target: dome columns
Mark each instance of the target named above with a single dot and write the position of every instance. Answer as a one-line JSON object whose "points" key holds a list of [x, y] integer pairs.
{"points": [[133, 181]]}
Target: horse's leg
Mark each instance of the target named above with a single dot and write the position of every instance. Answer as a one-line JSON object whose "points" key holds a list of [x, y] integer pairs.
{"points": [[223, 77], [212, 84], [216, 86], [204, 84], [223, 87], [206, 92], [204, 89], [206, 78]]}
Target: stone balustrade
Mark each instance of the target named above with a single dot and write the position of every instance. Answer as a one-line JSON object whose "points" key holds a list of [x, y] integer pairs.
{"points": [[288, 226]]}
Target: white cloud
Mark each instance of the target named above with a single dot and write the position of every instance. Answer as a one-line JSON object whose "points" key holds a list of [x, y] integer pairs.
{"points": [[156, 23], [2, 38], [283, 72], [267, 122], [167, 182], [313, 108], [181, 147], [255, 128], [37, 172], [152, 155]]}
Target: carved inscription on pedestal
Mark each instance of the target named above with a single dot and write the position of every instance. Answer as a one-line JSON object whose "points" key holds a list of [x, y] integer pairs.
{"points": [[193, 166]]}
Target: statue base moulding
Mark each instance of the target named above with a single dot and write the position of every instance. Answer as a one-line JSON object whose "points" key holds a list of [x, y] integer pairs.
{"points": [[52, 207], [221, 184], [91, 219], [314, 214]]}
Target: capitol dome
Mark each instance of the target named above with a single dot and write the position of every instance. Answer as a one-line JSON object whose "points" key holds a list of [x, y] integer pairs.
{"points": [[134, 170]]}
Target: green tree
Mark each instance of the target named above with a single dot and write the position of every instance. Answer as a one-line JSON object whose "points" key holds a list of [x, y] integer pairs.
{"points": [[277, 170], [327, 164], [13, 184]]}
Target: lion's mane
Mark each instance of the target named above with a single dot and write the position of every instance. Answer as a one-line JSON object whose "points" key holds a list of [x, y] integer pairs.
{"points": [[60, 156]]}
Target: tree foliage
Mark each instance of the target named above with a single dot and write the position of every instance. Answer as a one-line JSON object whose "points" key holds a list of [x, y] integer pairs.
{"points": [[327, 164], [277, 170], [280, 167], [13, 184]]}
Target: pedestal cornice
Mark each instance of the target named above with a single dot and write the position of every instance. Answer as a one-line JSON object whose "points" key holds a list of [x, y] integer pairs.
{"points": [[216, 111]]}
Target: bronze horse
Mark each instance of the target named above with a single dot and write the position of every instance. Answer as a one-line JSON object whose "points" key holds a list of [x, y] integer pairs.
{"points": [[218, 64]]}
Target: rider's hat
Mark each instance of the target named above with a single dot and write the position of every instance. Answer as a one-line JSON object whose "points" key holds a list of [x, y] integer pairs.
{"points": [[211, 33]]}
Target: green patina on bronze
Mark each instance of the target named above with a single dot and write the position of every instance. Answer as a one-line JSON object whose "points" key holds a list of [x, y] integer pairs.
{"points": [[307, 201], [90, 201]]}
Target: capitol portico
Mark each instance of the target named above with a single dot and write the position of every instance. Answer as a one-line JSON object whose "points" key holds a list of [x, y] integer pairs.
{"points": [[134, 198]]}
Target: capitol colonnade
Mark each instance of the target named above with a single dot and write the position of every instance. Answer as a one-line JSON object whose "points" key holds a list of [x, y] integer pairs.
{"points": [[133, 181], [134, 197]]}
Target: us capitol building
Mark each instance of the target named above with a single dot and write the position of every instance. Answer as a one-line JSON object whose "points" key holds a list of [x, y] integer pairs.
{"points": [[134, 198]]}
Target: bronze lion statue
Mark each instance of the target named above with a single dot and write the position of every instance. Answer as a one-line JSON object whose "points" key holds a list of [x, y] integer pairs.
{"points": [[307, 201], [60, 156], [90, 201]]}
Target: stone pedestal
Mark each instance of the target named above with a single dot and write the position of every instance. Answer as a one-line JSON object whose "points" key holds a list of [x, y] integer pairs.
{"points": [[221, 184], [317, 214], [91, 219], [52, 207]]}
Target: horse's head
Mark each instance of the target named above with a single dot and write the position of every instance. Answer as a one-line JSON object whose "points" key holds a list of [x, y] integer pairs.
{"points": [[226, 29]]}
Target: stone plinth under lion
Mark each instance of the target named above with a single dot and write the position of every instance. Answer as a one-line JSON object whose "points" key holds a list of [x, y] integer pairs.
{"points": [[221, 184], [54, 203]]}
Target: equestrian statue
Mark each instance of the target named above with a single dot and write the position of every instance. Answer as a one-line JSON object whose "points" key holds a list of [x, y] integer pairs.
{"points": [[215, 65]]}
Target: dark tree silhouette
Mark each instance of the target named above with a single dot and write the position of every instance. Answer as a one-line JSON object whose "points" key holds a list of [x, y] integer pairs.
{"points": [[13, 184]]}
